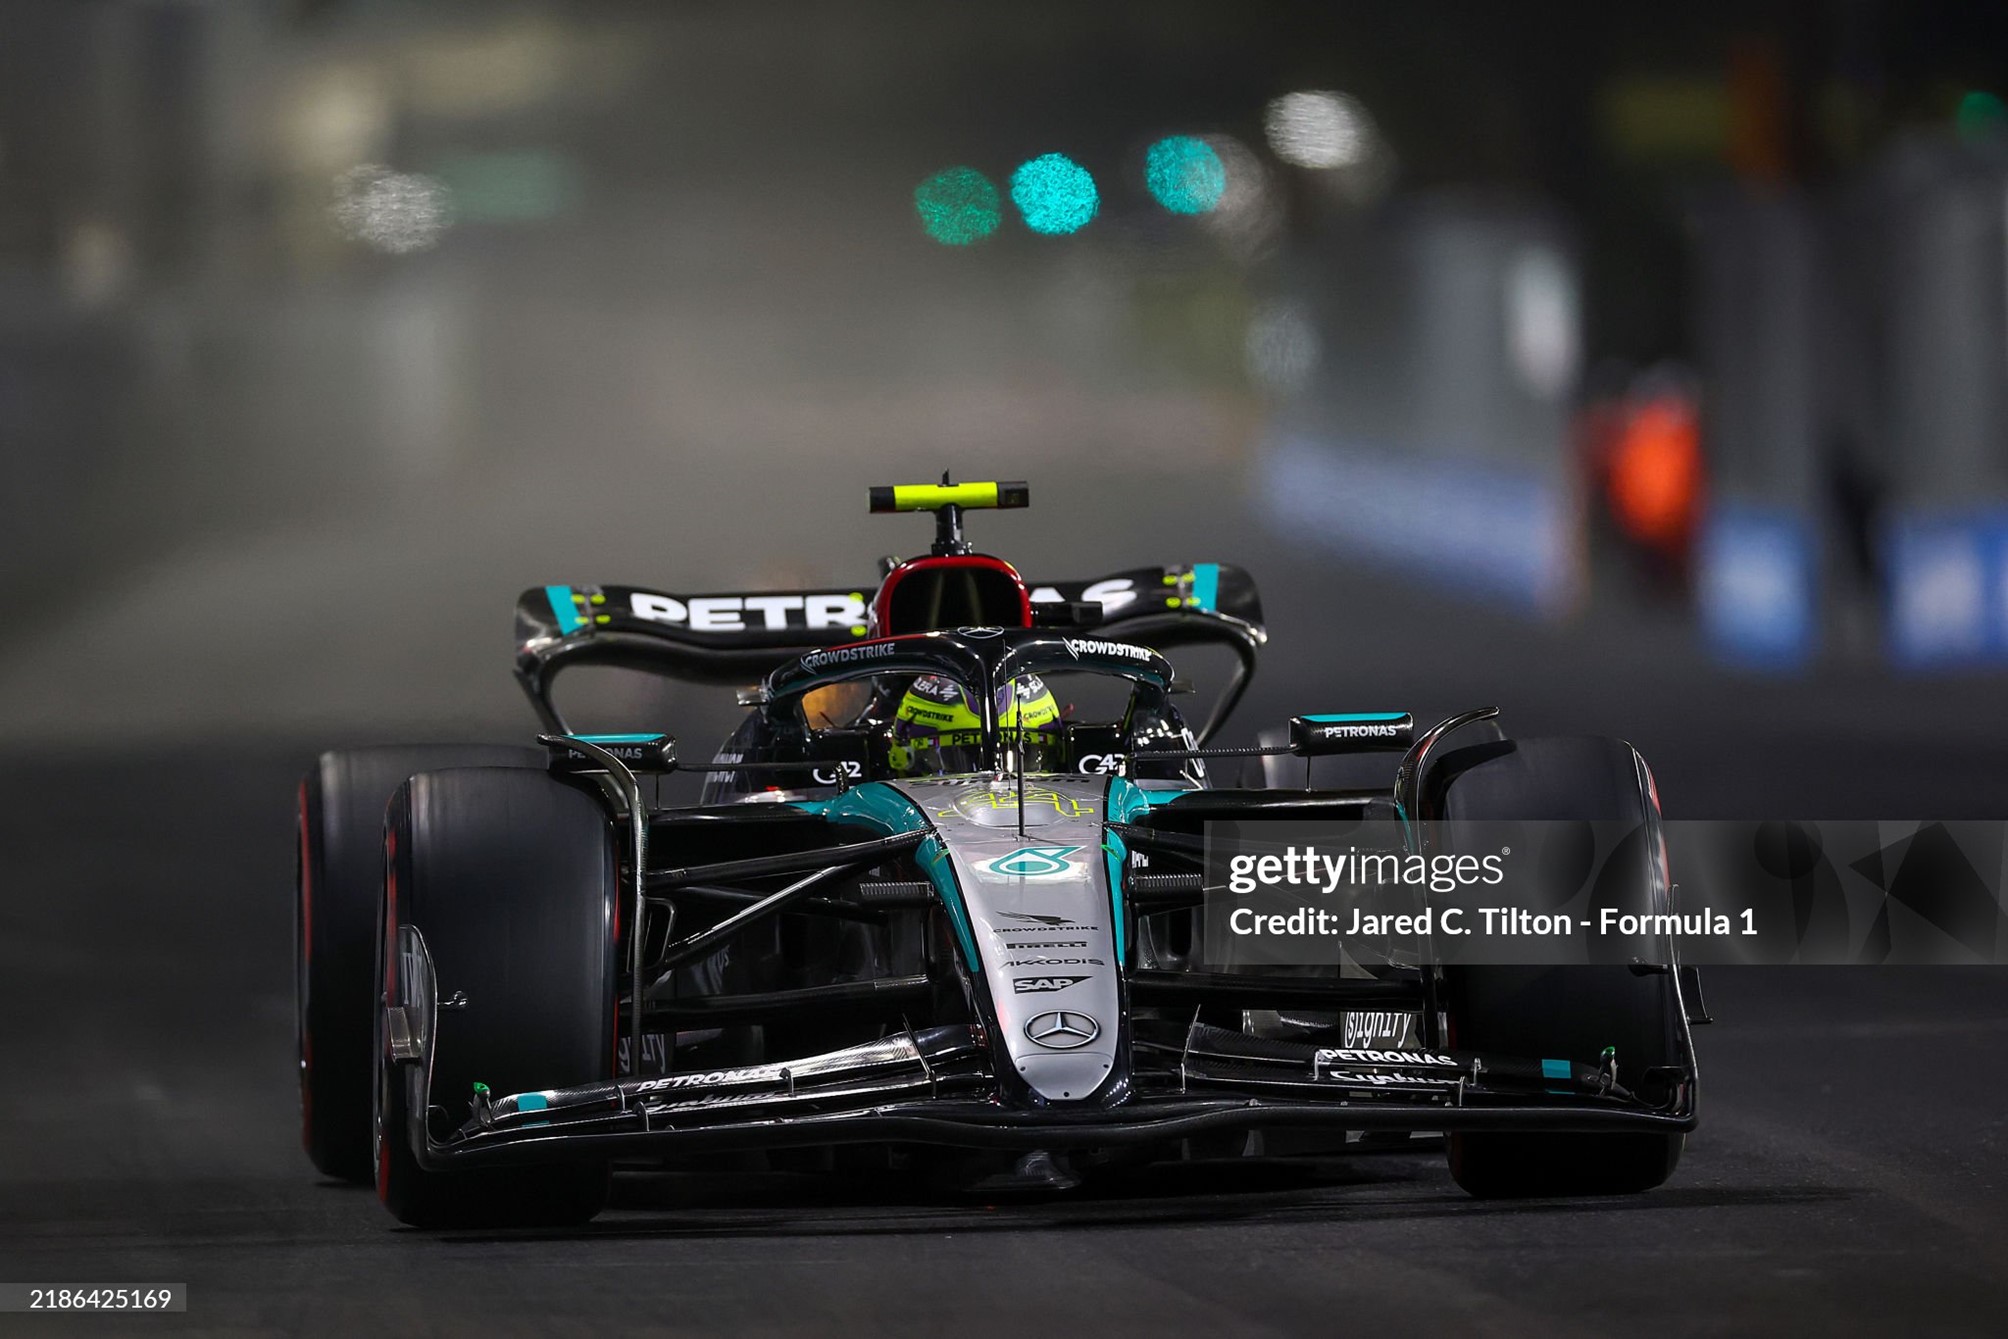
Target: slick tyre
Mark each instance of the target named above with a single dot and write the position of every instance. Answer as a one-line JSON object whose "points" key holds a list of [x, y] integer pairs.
{"points": [[507, 877], [1569, 1012], [338, 882]]}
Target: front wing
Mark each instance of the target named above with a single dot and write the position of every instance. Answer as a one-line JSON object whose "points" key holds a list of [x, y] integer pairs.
{"points": [[935, 1086]]}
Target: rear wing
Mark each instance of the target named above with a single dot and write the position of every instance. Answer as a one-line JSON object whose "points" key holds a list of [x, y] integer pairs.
{"points": [[738, 638]]}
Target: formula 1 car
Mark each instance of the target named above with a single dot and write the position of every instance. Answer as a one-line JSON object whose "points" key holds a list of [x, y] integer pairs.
{"points": [[924, 913]]}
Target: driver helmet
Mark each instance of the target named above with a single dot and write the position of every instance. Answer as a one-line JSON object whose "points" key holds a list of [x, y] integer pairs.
{"points": [[937, 728]]}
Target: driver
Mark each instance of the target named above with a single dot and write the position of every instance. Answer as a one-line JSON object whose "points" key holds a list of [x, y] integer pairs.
{"points": [[937, 728]]}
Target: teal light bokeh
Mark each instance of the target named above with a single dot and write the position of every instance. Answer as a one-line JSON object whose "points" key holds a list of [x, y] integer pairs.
{"points": [[1055, 194], [1184, 174], [1981, 116], [957, 206]]}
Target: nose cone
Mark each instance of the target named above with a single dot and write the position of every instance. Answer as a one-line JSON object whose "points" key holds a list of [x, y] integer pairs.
{"points": [[1043, 921], [1063, 1075]]}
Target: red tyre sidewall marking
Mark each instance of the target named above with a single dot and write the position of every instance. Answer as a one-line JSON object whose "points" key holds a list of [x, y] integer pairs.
{"points": [[614, 1060], [306, 1037], [389, 994]]}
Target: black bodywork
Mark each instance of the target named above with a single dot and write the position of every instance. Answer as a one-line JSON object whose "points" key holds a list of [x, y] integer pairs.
{"points": [[794, 977]]}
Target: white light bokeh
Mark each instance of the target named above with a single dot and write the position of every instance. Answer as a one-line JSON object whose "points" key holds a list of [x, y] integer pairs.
{"points": [[395, 212], [97, 262], [1543, 334], [1319, 130], [1247, 218], [1282, 347]]}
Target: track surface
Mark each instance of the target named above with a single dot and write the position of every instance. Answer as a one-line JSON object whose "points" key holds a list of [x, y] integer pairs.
{"points": [[1851, 1173]]}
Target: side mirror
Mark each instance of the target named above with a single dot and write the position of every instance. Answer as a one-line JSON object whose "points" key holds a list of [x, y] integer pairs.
{"points": [[640, 752], [1351, 732]]}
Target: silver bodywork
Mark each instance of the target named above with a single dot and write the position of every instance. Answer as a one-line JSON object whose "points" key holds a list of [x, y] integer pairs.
{"points": [[1041, 915]]}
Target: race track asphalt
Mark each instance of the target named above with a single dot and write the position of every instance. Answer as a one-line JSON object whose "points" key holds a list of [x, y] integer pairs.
{"points": [[1850, 1174]]}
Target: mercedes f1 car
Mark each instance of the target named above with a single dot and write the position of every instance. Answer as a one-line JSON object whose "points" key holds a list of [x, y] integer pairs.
{"points": [[940, 903]]}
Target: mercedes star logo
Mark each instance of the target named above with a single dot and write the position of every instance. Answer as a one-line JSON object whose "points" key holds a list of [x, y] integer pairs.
{"points": [[1063, 1030]]}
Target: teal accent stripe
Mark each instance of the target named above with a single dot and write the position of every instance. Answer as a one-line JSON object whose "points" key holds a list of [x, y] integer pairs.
{"points": [[1118, 858], [940, 870], [563, 609], [533, 1102], [1555, 1069], [1206, 584], [618, 739], [1126, 801], [1359, 716], [892, 812]]}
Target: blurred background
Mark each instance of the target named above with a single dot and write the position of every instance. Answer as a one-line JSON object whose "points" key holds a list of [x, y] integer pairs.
{"points": [[1571, 355], [1640, 368]]}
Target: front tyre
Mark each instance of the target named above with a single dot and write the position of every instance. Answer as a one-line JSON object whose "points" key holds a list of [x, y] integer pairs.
{"points": [[1574, 1011], [509, 878], [338, 883]]}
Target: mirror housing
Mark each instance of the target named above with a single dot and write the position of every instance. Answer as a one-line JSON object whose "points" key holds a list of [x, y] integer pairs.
{"points": [[641, 753], [1351, 732]]}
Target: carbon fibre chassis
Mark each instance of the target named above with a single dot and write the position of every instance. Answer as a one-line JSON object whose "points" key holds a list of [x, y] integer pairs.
{"points": [[935, 1086], [942, 1085]]}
